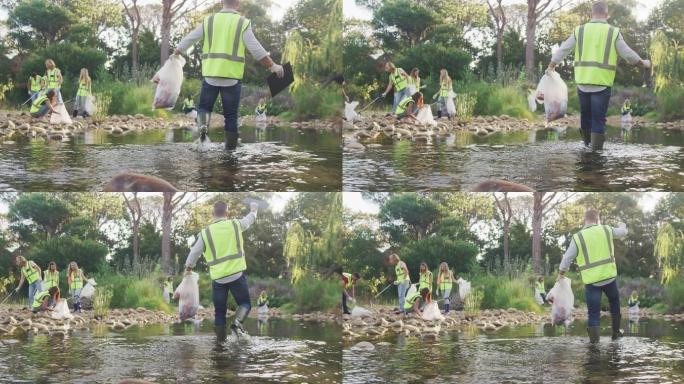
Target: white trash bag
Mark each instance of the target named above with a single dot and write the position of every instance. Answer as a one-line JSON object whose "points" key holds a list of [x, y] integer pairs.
{"points": [[538, 297], [89, 106], [360, 312], [62, 117], [634, 312], [192, 114], [187, 294], [349, 111], [431, 312], [531, 101], [89, 290], [412, 289], [554, 93], [169, 80], [563, 301], [424, 116], [463, 288], [450, 104], [263, 310], [61, 311]]}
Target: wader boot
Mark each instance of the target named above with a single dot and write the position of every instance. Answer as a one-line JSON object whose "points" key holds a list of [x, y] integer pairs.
{"points": [[446, 309], [597, 140], [586, 137], [75, 113], [439, 114], [220, 333], [240, 316], [231, 139], [203, 120], [594, 334], [617, 331]]}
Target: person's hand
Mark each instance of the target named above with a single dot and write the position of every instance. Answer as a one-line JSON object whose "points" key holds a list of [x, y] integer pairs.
{"points": [[278, 70], [17, 289], [645, 63], [188, 271], [177, 52], [551, 67], [346, 99], [353, 300], [561, 274], [253, 207]]}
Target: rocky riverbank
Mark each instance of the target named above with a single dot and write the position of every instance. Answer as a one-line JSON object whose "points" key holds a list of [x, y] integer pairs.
{"points": [[384, 321], [310, 125]]}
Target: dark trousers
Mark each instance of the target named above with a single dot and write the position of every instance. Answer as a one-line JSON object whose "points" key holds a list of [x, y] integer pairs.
{"points": [[230, 97], [345, 309], [219, 295], [594, 107], [593, 297]]}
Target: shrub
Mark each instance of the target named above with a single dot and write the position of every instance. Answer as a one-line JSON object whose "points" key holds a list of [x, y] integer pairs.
{"points": [[315, 102], [314, 294], [674, 295], [503, 292], [101, 301], [494, 100], [670, 103], [132, 292], [472, 302]]}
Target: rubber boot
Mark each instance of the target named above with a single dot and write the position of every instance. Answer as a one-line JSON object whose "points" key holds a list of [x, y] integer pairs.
{"points": [[231, 140], [586, 137], [75, 113], [439, 114], [617, 331], [203, 120], [446, 309], [240, 316], [220, 333], [594, 334], [597, 140]]}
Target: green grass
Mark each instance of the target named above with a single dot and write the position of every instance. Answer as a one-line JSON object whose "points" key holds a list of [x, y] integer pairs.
{"points": [[315, 294], [502, 292], [495, 100], [670, 103], [132, 292], [315, 102]]}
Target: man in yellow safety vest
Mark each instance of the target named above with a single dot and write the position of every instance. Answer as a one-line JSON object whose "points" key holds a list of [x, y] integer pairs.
{"points": [[225, 36], [221, 244], [592, 247], [596, 46]]}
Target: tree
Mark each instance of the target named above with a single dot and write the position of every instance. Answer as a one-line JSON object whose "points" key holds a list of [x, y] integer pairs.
{"points": [[132, 12], [500, 22], [38, 216], [408, 216], [503, 206], [172, 11], [36, 23], [543, 203], [135, 216], [537, 12], [172, 204]]}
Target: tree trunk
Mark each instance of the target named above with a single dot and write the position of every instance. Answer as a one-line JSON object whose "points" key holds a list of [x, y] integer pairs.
{"points": [[136, 243], [134, 52], [506, 242], [537, 216], [167, 217], [167, 16], [499, 50], [530, 32]]}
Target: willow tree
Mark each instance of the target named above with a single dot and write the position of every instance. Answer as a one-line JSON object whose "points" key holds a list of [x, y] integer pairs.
{"points": [[667, 57], [669, 251], [296, 250]]}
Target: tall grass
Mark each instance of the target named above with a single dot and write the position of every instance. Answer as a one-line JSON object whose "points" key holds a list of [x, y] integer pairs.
{"points": [[472, 302], [315, 102], [507, 292], [133, 292], [101, 301], [670, 103], [674, 295], [495, 100], [315, 294]]}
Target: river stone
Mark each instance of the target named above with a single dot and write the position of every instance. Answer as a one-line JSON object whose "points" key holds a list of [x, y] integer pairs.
{"points": [[364, 346], [10, 124]]}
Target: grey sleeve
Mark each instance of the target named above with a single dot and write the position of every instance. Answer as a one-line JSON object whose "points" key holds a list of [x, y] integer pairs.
{"points": [[625, 51], [190, 40], [568, 257], [253, 45], [247, 221], [564, 49], [195, 253], [620, 231]]}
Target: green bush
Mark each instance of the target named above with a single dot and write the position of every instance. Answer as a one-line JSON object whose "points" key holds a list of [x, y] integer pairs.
{"points": [[494, 100], [129, 99], [670, 103], [315, 102], [502, 292], [132, 292], [674, 295], [314, 294]]}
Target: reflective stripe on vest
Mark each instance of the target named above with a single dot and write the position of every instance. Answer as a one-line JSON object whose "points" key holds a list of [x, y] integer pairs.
{"points": [[38, 103], [398, 80], [39, 298], [35, 84], [51, 279], [52, 78], [30, 273], [445, 282], [408, 303], [595, 54], [223, 52], [403, 105], [399, 272], [595, 256], [76, 281], [424, 281], [223, 249], [444, 89]]}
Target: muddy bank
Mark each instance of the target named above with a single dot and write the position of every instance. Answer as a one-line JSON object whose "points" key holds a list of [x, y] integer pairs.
{"points": [[384, 321], [15, 321]]}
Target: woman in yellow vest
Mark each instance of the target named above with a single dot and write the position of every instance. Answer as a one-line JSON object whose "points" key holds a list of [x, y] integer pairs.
{"points": [[45, 300], [188, 105], [43, 104], [348, 281], [409, 106], [75, 279], [596, 47], [414, 81], [593, 250], [539, 287], [35, 85], [167, 289], [445, 87], [262, 303], [51, 276], [398, 79], [425, 277], [416, 301], [226, 36], [401, 278], [53, 79], [445, 281], [30, 272], [85, 89]]}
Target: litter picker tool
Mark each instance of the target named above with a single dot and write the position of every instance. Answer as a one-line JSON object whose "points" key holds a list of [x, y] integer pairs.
{"points": [[386, 288], [7, 297], [278, 84], [371, 103], [27, 100]]}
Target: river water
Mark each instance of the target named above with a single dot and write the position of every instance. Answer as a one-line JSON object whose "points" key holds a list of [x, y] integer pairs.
{"points": [[280, 351], [641, 159], [652, 351], [270, 159]]}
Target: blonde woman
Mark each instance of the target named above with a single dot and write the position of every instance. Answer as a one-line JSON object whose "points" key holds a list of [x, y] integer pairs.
{"points": [[53, 79], [51, 276], [401, 279], [75, 279], [445, 280], [445, 87], [425, 280], [398, 79], [85, 87], [414, 81]]}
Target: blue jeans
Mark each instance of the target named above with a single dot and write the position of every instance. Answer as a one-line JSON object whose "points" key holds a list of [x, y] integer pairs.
{"points": [[592, 294], [230, 97], [399, 96], [41, 112], [219, 295], [345, 308], [34, 288], [594, 107], [401, 289]]}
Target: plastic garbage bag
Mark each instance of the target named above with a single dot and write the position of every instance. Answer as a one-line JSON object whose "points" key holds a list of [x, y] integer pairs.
{"points": [[263, 310], [62, 117], [450, 105], [261, 117], [89, 289], [192, 114], [554, 93], [563, 301], [538, 297], [349, 111], [412, 289], [89, 106], [531, 102], [169, 80], [633, 312], [463, 288], [431, 312], [359, 311], [424, 116], [61, 311], [166, 295], [187, 294]]}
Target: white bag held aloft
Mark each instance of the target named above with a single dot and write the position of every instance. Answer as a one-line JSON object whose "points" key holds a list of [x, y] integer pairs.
{"points": [[169, 80], [89, 106], [463, 288], [360, 312], [554, 93], [62, 117], [563, 301], [61, 311], [187, 294], [349, 111], [431, 312], [89, 290]]}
